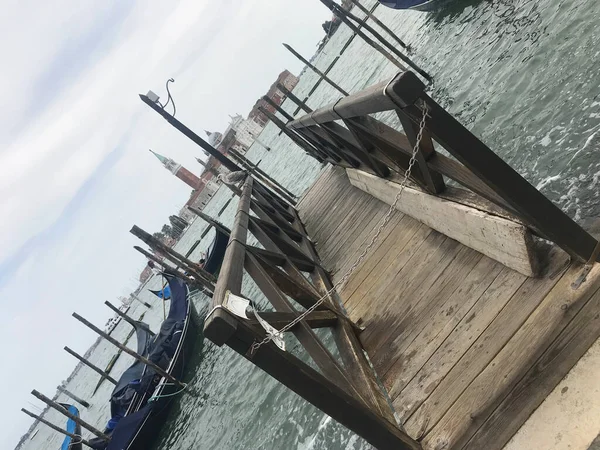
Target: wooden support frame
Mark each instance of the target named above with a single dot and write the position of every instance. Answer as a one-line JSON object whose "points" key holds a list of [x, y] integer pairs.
{"points": [[475, 165], [345, 390]]}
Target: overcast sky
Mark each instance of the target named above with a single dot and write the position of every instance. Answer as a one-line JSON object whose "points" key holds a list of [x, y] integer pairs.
{"points": [[75, 171]]}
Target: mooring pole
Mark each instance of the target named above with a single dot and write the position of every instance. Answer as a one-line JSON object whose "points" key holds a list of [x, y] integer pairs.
{"points": [[73, 396], [289, 94], [125, 317], [278, 108], [205, 278], [345, 17], [75, 437], [380, 23], [264, 175], [130, 352], [61, 409], [102, 373], [317, 71], [136, 298], [191, 135], [150, 256]]}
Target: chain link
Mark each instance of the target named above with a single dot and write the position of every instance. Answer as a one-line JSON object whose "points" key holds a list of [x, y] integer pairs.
{"points": [[382, 224]]}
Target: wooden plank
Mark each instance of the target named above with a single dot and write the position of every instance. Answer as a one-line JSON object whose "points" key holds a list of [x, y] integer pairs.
{"points": [[409, 287], [321, 392], [289, 285], [412, 358], [530, 204], [358, 368], [398, 256], [541, 379], [316, 319], [503, 240], [458, 342], [279, 259], [530, 342], [305, 335], [410, 324], [516, 311]]}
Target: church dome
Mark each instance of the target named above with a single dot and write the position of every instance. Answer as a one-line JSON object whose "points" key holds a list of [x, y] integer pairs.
{"points": [[214, 137]]}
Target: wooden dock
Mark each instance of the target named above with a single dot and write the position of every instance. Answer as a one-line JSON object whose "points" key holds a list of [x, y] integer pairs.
{"points": [[466, 347]]}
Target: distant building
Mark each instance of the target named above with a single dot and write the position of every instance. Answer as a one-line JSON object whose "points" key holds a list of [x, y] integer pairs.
{"points": [[146, 273], [203, 187], [287, 79]]}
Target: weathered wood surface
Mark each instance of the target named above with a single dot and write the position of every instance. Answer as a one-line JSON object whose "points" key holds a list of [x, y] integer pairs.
{"points": [[501, 239], [466, 347]]}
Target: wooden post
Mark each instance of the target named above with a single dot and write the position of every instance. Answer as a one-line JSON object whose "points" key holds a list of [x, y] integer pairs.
{"points": [[136, 298], [130, 352], [61, 409], [75, 437], [73, 396], [299, 141], [256, 172], [293, 98], [204, 278], [345, 16], [125, 317], [218, 326], [317, 71], [191, 135], [102, 373], [278, 108], [380, 23]]}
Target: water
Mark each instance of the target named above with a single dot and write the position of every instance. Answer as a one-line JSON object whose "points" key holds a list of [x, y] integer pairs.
{"points": [[522, 74]]}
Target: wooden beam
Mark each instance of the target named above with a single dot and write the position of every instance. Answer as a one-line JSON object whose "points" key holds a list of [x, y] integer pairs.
{"points": [[125, 317], [314, 69], [218, 326], [91, 366], [507, 242], [73, 396], [75, 437], [525, 199], [61, 409], [279, 259], [383, 26], [289, 94], [124, 348], [321, 392], [316, 319]]}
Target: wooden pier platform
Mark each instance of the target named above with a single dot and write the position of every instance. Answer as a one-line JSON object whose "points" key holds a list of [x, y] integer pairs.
{"points": [[466, 347]]}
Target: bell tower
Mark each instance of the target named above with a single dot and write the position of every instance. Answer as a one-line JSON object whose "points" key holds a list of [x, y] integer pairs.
{"points": [[180, 172]]}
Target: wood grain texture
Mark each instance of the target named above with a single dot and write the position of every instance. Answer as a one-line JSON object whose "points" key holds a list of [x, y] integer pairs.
{"points": [[503, 240]]}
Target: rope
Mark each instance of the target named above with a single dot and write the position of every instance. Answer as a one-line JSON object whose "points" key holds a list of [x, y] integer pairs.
{"points": [[382, 224]]}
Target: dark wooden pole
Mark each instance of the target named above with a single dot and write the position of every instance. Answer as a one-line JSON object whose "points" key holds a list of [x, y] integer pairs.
{"points": [[300, 142], [75, 437], [346, 16], [191, 135], [380, 23], [278, 108], [130, 352], [136, 298], [258, 173], [61, 409], [124, 316], [203, 276], [102, 373], [73, 396], [317, 71], [289, 94]]}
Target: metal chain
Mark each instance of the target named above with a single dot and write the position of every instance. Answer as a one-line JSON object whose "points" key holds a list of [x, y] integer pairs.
{"points": [[382, 224]]}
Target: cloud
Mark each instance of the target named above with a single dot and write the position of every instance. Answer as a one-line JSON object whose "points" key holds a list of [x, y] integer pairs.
{"points": [[75, 173]]}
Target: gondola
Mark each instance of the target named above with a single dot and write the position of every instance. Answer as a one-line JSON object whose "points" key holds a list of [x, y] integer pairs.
{"points": [[216, 252], [419, 5], [140, 401], [74, 428]]}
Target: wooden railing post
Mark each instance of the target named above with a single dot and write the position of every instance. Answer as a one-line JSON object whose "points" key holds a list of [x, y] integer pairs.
{"points": [[218, 325]]}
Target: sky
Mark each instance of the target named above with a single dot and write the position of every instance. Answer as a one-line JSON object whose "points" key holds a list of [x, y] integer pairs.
{"points": [[75, 171]]}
